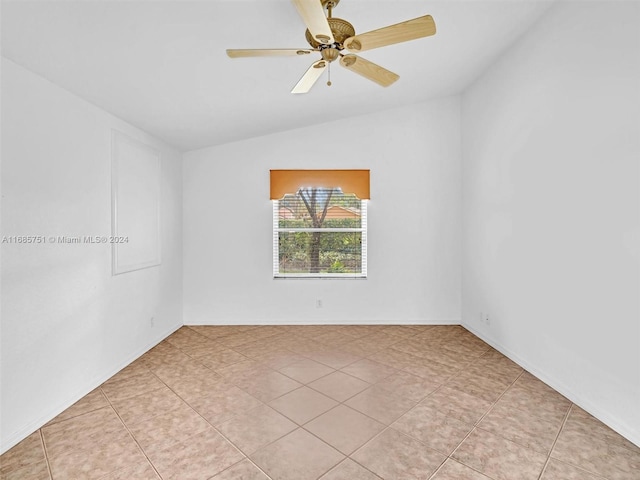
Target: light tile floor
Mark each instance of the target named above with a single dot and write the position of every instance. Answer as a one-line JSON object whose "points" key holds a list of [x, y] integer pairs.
{"points": [[323, 402]]}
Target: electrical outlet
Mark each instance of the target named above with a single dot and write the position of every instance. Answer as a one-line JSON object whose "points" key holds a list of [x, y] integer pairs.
{"points": [[152, 322], [319, 303]]}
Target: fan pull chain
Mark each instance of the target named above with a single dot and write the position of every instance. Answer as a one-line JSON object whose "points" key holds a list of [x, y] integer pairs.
{"points": [[329, 80]]}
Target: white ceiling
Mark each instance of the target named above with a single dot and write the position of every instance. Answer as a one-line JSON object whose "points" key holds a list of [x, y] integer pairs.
{"points": [[161, 65]]}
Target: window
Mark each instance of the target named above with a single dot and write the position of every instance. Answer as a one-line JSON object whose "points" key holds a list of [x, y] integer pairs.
{"points": [[319, 231]]}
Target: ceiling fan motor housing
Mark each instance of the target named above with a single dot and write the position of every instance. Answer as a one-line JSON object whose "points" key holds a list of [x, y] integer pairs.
{"points": [[341, 30]]}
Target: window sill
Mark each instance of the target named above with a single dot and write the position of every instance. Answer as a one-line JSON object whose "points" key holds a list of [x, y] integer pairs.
{"points": [[311, 276]]}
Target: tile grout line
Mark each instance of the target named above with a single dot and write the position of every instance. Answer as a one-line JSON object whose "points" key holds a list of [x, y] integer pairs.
{"points": [[46, 453], [576, 465], [433, 477], [564, 422], [522, 410], [231, 466], [51, 422], [319, 439], [475, 426], [350, 456], [132, 436], [499, 398], [44, 443]]}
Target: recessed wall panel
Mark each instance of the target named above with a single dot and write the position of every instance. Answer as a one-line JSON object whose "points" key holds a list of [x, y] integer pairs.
{"points": [[136, 204]]}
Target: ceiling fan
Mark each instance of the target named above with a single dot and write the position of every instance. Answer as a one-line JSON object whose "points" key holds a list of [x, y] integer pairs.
{"points": [[330, 36]]}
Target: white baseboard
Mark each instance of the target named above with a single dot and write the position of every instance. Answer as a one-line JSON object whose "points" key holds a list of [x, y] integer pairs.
{"points": [[605, 417], [53, 412], [329, 321]]}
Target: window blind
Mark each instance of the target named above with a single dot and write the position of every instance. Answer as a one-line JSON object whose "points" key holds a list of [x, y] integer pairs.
{"points": [[320, 232]]}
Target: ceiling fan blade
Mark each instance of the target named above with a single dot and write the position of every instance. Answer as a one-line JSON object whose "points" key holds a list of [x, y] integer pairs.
{"points": [[264, 52], [312, 13], [400, 32], [310, 77], [368, 69]]}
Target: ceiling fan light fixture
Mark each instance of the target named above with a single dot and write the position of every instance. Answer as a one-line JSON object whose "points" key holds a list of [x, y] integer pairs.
{"points": [[330, 54]]}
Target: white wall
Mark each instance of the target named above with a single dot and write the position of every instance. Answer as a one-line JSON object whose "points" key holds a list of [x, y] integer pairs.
{"points": [[551, 238], [67, 323], [414, 222]]}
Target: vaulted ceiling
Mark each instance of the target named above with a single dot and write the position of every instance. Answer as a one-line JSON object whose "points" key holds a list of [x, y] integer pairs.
{"points": [[161, 65]]}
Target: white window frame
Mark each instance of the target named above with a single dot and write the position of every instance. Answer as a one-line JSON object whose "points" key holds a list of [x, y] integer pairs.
{"points": [[276, 245]]}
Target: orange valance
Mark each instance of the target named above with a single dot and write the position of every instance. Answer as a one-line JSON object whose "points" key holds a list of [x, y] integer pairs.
{"points": [[290, 181]]}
